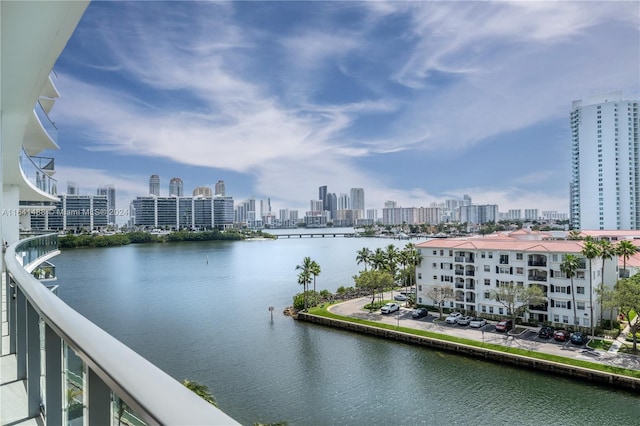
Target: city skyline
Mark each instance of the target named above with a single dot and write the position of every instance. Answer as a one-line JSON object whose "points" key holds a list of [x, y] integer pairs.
{"points": [[416, 102]]}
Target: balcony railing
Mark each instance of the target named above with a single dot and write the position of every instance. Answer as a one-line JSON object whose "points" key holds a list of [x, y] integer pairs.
{"points": [[542, 278], [108, 370], [36, 175], [537, 263], [48, 125]]}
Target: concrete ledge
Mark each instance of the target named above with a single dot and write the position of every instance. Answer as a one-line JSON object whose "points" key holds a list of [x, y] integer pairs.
{"points": [[566, 370]]}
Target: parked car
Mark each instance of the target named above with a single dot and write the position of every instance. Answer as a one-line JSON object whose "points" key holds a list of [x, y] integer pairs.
{"points": [[477, 322], [504, 325], [390, 307], [453, 317], [464, 320], [546, 332], [561, 335], [579, 338], [419, 313], [400, 297]]}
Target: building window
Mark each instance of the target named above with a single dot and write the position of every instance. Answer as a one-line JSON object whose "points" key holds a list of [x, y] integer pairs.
{"points": [[490, 254], [580, 290], [565, 319], [519, 256], [487, 268], [501, 311], [580, 306], [420, 287], [484, 309], [419, 275], [490, 309], [487, 281], [556, 318], [519, 271], [487, 295]]}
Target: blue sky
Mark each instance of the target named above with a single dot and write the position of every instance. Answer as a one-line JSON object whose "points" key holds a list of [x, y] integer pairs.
{"points": [[415, 102]]}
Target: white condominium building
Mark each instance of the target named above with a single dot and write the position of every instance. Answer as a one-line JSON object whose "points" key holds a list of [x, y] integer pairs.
{"points": [[476, 266], [605, 179]]}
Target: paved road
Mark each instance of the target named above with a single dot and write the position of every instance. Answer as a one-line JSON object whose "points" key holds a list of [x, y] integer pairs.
{"points": [[528, 340]]}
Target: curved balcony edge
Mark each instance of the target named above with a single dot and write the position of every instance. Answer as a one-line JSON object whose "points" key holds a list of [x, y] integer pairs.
{"points": [[154, 395]]}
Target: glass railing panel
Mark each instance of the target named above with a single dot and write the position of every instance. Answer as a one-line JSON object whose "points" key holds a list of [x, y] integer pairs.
{"points": [[37, 176], [48, 125], [123, 414], [74, 386], [31, 250]]}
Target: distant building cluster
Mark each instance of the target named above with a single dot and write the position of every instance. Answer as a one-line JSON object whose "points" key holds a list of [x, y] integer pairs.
{"points": [[604, 188]]}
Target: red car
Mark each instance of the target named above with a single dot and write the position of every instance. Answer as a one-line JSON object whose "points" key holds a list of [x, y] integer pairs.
{"points": [[561, 335], [505, 325]]}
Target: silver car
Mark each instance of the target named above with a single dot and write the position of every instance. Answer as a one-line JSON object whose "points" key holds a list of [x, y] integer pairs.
{"points": [[390, 307]]}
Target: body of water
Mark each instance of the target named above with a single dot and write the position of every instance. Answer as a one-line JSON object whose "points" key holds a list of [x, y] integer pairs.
{"points": [[200, 311]]}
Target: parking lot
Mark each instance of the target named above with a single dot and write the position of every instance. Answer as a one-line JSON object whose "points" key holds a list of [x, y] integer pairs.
{"points": [[528, 339]]}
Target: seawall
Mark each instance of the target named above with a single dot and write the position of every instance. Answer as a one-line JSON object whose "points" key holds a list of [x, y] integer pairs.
{"points": [[601, 377]]}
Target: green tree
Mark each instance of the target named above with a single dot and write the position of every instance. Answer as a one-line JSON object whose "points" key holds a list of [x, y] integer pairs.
{"points": [[364, 256], [607, 252], [440, 294], [392, 256], [517, 299], [373, 281], [570, 264], [590, 250], [201, 390], [304, 279], [625, 249], [626, 294]]}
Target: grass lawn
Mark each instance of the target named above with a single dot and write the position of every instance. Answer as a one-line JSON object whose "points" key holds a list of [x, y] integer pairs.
{"points": [[323, 312], [601, 344]]}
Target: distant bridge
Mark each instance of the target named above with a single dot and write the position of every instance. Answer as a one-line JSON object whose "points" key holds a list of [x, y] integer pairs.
{"points": [[316, 234]]}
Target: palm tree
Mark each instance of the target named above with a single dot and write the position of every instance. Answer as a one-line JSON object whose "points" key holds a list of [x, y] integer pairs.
{"points": [[391, 255], [590, 250], [378, 260], [201, 390], [364, 256], [569, 266], [304, 277], [625, 249], [314, 269], [607, 252]]}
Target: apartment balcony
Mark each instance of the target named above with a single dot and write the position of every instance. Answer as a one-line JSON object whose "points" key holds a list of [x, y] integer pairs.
{"points": [[537, 277], [537, 260], [44, 334], [38, 176], [470, 273], [41, 133], [45, 272], [459, 272], [459, 285], [470, 286], [462, 259]]}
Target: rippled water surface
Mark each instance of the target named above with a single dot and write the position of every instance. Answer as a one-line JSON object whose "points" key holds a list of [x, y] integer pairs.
{"points": [[200, 311]]}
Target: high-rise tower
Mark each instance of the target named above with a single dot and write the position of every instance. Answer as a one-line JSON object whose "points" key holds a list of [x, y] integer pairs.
{"points": [[357, 199], [220, 189], [605, 165], [176, 187], [154, 185], [110, 192]]}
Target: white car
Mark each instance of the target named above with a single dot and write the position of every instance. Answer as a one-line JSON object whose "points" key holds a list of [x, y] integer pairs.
{"points": [[464, 320], [389, 307], [453, 318], [477, 322], [400, 297]]}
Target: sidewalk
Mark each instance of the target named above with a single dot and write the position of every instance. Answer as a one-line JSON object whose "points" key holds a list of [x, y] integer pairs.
{"points": [[527, 340], [622, 338]]}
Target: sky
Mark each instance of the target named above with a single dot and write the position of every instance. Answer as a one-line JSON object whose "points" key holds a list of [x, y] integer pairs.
{"points": [[416, 102]]}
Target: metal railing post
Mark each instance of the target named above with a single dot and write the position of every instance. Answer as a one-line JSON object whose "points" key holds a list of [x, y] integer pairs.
{"points": [[21, 334], [99, 400], [53, 373], [33, 361]]}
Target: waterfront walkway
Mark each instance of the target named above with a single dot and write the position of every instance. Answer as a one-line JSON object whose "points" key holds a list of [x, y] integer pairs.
{"points": [[527, 340], [13, 392]]}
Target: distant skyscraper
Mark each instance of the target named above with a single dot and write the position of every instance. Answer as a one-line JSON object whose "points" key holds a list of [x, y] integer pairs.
{"points": [[176, 187], [605, 177], [220, 190], [357, 199], [204, 191], [73, 188], [154, 185], [110, 192], [343, 202], [322, 196]]}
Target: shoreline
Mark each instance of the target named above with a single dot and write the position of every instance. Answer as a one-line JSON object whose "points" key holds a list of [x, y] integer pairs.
{"points": [[583, 373]]}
